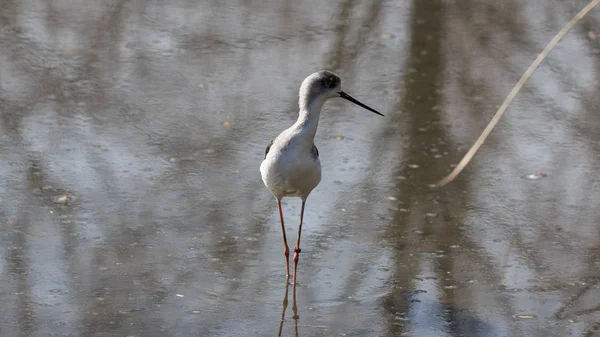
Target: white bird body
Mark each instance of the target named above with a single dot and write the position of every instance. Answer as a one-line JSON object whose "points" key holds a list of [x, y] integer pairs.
{"points": [[291, 167]]}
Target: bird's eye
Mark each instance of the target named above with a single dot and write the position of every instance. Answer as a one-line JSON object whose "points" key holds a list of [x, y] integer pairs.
{"points": [[328, 82]]}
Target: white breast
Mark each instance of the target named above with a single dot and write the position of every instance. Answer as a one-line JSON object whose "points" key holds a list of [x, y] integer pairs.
{"points": [[290, 168]]}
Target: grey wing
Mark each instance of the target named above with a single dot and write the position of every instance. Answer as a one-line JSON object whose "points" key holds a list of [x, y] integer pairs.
{"points": [[269, 147], [314, 152]]}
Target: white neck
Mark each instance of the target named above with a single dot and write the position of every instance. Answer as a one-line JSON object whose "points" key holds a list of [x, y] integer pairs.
{"points": [[308, 119]]}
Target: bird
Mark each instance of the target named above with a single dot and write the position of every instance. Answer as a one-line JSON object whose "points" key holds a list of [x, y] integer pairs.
{"points": [[291, 166]]}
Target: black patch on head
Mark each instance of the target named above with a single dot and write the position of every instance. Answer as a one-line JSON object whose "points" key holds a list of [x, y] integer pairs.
{"points": [[329, 81]]}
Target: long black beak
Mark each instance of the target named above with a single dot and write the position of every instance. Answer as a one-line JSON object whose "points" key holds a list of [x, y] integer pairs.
{"points": [[355, 101]]}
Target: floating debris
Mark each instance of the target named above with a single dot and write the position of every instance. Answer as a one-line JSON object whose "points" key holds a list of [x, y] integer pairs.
{"points": [[413, 166], [339, 137], [31, 236], [63, 198], [535, 176], [227, 123], [525, 316], [178, 295]]}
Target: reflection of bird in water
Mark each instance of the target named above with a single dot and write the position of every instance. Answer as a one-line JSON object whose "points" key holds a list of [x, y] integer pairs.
{"points": [[291, 167], [294, 309]]}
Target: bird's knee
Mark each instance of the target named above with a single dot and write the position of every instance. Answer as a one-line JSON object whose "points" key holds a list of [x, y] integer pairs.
{"points": [[286, 252], [297, 255]]}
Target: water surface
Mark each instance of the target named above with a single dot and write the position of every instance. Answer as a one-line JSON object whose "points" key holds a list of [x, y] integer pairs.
{"points": [[155, 116]]}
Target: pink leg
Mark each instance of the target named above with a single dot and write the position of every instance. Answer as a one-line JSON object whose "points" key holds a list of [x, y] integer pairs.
{"points": [[286, 249], [297, 249]]}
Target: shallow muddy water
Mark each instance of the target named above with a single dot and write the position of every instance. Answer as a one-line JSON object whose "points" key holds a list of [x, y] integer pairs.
{"points": [[155, 115]]}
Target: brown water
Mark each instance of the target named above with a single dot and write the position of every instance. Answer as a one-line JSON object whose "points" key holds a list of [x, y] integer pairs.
{"points": [[155, 115]]}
